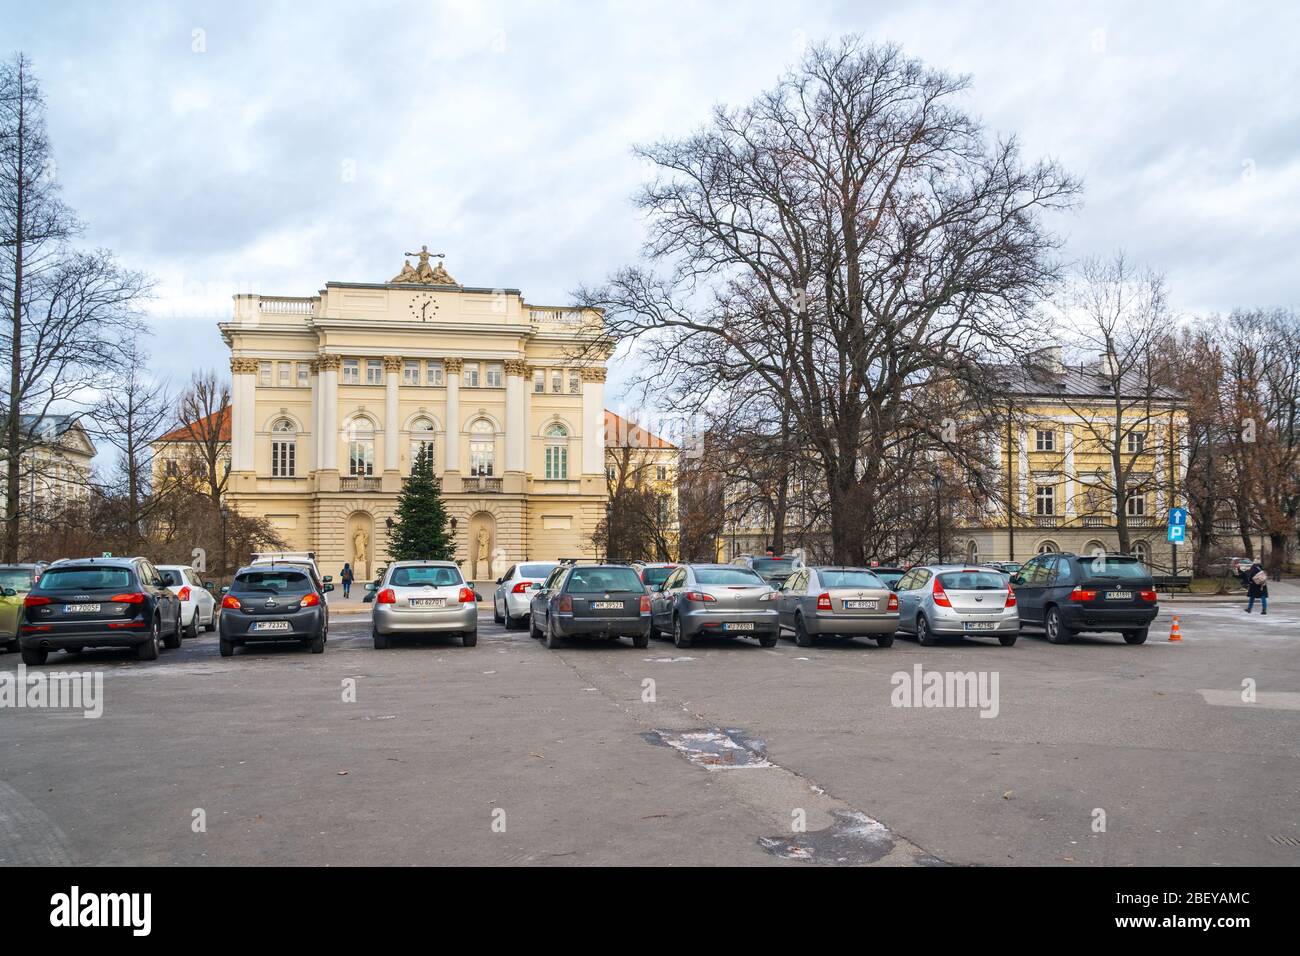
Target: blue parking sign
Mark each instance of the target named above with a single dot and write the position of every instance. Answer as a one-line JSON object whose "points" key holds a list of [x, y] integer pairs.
{"points": [[1177, 516], [1176, 532]]}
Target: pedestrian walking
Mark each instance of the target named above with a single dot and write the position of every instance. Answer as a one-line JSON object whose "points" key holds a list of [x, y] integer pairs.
{"points": [[346, 577], [1256, 581]]}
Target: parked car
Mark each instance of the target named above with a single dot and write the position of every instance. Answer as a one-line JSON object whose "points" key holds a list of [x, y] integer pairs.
{"points": [[424, 597], [198, 606], [719, 599], [590, 600], [654, 574], [1067, 593], [890, 575], [280, 602], [99, 602], [771, 569], [954, 600], [1009, 568], [837, 601], [16, 580], [301, 559], [513, 593]]}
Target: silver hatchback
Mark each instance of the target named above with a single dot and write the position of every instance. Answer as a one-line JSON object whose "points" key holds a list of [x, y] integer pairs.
{"points": [[423, 597], [955, 600], [837, 601]]}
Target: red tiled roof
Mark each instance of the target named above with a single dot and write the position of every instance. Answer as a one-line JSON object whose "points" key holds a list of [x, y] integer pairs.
{"points": [[620, 433], [202, 428]]}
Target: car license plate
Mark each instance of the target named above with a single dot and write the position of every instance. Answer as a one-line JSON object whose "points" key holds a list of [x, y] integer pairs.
{"points": [[739, 626], [81, 608], [980, 625], [607, 605], [271, 626], [1119, 595], [859, 605], [428, 602]]}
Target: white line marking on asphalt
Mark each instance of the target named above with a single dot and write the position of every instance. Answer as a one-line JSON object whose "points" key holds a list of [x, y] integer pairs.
{"points": [[1269, 700]]}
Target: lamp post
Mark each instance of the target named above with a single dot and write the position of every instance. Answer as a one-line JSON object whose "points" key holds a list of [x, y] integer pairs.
{"points": [[937, 484], [225, 513]]}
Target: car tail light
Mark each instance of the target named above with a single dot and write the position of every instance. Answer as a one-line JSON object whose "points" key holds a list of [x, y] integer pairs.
{"points": [[386, 596], [645, 604], [893, 603], [1011, 598], [311, 600], [1080, 595], [769, 596], [33, 600], [184, 593], [521, 587], [823, 602], [1147, 596], [699, 597], [138, 622], [128, 598], [231, 602], [467, 596], [565, 604], [940, 595]]}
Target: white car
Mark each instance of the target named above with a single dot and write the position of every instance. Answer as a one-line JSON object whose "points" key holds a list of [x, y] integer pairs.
{"points": [[510, 603], [198, 606]]}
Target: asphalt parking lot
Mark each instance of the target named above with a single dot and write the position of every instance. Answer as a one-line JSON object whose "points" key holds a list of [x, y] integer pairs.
{"points": [[508, 753]]}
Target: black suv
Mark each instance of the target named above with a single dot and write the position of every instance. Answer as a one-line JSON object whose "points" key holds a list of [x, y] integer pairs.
{"points": [[99, 602], [590, 600], [274, 602], [1068, 593]]}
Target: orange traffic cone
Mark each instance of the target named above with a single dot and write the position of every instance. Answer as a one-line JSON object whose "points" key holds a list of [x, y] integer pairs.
{"points": [[1174, 633]]}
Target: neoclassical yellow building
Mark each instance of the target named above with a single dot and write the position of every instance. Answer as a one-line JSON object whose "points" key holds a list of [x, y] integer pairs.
{"points": [[334, 395]]}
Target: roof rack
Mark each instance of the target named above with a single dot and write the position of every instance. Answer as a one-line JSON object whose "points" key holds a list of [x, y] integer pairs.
{"points": [[593, 561]]}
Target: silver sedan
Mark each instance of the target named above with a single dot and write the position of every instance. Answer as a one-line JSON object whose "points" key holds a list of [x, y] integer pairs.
{"points": [[954, 600], [831, 601], [721, 599], [424, 597]]}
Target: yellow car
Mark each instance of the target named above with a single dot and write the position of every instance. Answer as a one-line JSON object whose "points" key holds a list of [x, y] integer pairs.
{"points": [[15, 581]]}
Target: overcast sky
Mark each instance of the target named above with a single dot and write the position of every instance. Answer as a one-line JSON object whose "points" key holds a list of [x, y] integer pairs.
{"points": [[270, 147]]}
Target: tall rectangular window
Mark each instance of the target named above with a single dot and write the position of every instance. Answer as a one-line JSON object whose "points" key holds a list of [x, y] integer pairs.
{"points": [[575, 383], [495, 376], [361, 458], [1137, 442], [284, 370], [557, 381], [304, 374], [374, 372], [351, 372], [1045, 500], [410, 373], [1136, 504], [263, 373], [433, 373], [1044, 440], [539, 380], [469, 374], [283, 459], [557, 462]]}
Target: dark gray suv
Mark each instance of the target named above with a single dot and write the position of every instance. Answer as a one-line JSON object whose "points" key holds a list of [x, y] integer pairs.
{"points": [[1068, 593]]}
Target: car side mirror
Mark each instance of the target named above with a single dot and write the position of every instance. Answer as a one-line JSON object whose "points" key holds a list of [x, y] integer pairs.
{"points": [[1017, 579], [328, 588], [328, 578], [500, 580], [370, 586], [225, 589], [537, 585], [10, 592], [208, 585]]}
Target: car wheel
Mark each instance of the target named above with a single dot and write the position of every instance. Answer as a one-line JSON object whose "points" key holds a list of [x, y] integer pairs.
{"points": [[1057, 632], [923, 635], [318, 642], [469, 638], [226, 647], [497, 617], [212, 622], [534, 631], [380, 640], [192, 631], [148, 651], [679, 636], [14, 646], [1136, 637], [884, 640], [801, 635], [552, 638], [641, 640], [34, 656], [768, 640], [1008, 640]]}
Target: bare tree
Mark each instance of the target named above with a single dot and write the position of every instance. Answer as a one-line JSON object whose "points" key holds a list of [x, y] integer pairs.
{"points": [[203, 431], [65, 309], [850, 241]]}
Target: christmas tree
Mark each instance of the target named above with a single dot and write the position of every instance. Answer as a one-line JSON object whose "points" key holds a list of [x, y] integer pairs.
{"points": [[420, 529]]}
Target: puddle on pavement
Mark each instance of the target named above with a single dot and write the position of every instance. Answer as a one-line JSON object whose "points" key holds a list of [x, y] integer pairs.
{"points": [[714, 749], [852, 839]]}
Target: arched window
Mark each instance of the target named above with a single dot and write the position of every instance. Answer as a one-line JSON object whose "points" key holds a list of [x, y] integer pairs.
{"points": [[1048, 547], [1142, 551], [557, 452], [284, 449], [421, 441], [973, 553], [361, 447], [482, 448]]}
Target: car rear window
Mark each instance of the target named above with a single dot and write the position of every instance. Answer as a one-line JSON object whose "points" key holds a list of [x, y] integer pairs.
{"points": [[727, 576], [653, 576], [87, 579], [973, 581], [591, 580], [1114, 568], [19, 580], [774, 565], [889, 577], [850, 579], [535, 570], [171, 577], [281, 581], [417, 577]]}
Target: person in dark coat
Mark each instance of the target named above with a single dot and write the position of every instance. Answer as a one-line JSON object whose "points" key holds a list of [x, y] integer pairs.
{"points": [[346, 576], [1254, 590]]}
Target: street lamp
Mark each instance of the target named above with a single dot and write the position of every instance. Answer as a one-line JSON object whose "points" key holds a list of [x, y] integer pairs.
{"points": [[225, 513], [937, 484]]}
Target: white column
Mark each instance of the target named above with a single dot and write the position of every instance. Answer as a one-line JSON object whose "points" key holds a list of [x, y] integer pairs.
{"points": [[392, 368], [317, 433], [329, 396], [452, 366], [1022, 462], [1069, 470], [516, 417], [593, 421], [241, 418]]}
